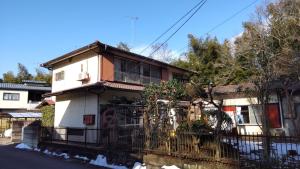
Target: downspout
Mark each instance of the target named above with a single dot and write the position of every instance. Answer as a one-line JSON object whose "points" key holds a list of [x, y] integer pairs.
{"points": [[280, 109]]}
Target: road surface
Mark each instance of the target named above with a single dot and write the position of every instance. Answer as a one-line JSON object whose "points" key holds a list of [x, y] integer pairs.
{"points": [[12, 158]]}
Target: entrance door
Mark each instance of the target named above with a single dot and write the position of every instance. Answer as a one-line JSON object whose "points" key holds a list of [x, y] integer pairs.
{"points": [[274, 115]]}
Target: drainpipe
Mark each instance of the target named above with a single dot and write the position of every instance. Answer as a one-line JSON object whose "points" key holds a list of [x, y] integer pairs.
{"points": [[280, 109]]}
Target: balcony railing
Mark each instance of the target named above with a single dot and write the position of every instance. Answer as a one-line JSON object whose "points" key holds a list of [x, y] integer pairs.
{"points": [[135, 78]]}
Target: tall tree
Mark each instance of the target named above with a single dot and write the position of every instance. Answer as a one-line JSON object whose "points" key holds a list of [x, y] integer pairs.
{"points": [[268, 52], [23, 73], [211, 59], [9, 77], [163, 53], [123, 46], [41, 75]]}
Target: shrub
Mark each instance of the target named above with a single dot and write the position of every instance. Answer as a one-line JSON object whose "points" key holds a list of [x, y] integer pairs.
{"points": [[47, 116]]}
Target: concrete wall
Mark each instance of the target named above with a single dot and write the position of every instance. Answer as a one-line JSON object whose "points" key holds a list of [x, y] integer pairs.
{"points": [[69, 109], [72, 69], [12, 104]]}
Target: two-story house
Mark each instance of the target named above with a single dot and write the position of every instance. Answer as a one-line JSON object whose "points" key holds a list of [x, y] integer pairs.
{"points": [[21, 97], [19, 101], [91, 80]]}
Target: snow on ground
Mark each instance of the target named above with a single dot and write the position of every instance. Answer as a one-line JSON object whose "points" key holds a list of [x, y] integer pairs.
{"points": [[81, 158], [37, 149], [138, 165], [253, 150], [101, 161], [170, 167], [23, 146], [64, 155]]}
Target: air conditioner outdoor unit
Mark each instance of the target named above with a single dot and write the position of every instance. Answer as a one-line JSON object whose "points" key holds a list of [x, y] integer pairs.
{"points": [[83, 76]]}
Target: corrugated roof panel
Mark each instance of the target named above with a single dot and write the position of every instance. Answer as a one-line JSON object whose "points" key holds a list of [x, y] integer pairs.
{"points": [[25, 115]]}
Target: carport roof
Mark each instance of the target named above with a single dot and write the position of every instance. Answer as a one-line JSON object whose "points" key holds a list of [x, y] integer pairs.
{"points": [[25, 115]]}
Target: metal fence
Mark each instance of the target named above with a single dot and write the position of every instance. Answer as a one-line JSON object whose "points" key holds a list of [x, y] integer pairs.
{"points": [[246, 150]]}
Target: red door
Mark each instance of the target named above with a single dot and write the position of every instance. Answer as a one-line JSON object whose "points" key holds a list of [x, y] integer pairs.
{"points": [[274, 115]]}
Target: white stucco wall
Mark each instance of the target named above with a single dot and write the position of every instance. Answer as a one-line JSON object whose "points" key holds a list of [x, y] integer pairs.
{"points": [[249, 129], [69, 110], [72, 69], [246, 101], [14, 104]]}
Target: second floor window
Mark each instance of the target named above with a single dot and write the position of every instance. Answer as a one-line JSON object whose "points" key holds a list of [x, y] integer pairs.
{"points": [[134, 72], [60, 76], [11, 96]]}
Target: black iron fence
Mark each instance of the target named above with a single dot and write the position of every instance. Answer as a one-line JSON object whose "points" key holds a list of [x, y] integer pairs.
{"points": [[249, 151]]}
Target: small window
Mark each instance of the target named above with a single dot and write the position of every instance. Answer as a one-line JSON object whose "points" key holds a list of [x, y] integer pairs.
{"points": [[60, 76], [89, 119], [242, 114], [11, 96]]}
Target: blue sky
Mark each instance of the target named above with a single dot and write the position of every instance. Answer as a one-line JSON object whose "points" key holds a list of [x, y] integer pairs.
{"points": [[34, 31]]}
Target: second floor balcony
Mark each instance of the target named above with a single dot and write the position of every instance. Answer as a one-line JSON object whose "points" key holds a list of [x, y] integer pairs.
{"points": [[135, 78]]}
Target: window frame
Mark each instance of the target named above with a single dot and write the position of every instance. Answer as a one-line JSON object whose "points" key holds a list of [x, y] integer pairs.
{"points": [[249, 119], [10, 97], [59, 76], [122, 72]]}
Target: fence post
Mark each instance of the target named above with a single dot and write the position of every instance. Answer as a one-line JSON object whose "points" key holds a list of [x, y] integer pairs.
{"points": [[52, 133], [85, 135], [67, 137]]}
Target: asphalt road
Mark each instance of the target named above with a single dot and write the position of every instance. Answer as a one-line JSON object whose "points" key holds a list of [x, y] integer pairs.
{"points": [[12, 158]]}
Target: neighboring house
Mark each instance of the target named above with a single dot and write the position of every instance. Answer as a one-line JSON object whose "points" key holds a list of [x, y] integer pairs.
{"points": [[242, 106], [21, 97], [89, 82], [18, 102]]}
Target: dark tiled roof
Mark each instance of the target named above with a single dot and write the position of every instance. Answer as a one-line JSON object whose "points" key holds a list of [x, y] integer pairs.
{"points": [[233, 88], [15, 86], [101, 46], [124, 86]]}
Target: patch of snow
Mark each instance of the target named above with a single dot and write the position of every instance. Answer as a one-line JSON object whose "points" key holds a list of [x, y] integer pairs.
{"points": [[101, 161], [254, 150], [47, 152], [170, 167], [23, 146], [37, 149], [81, 157], [64, 155], [7, 133], [138, 165]]}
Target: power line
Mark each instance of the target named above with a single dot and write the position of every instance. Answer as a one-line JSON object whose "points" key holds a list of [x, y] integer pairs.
{"points": [[198, 8], [225, 21], [171, 27], [204, 1]]}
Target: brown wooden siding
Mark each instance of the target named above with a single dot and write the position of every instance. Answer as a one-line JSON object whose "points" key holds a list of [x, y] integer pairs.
{"points": [[107, 65]]}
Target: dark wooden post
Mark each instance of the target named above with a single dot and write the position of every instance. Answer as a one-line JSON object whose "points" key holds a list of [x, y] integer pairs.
{"points": [[67, 138], [85, 136]]}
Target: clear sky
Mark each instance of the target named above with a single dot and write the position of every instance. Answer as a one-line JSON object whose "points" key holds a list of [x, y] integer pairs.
{"points": [[35, 31]]}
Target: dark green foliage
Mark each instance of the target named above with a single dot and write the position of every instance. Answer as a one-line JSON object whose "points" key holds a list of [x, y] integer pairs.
{"points": [[212, 60], [48, 116], [171, 91], [200, 126], [23, 74]]}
